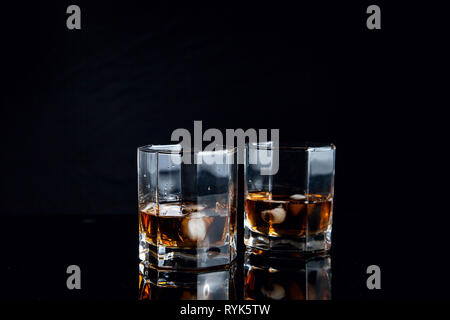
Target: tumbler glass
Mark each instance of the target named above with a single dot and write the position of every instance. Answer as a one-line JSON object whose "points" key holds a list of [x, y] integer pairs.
{"points": [[289, 197], [187, 206]]}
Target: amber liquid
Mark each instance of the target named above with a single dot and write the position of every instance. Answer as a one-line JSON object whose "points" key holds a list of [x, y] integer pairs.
{"points": [[291, 216], [186, 225]]}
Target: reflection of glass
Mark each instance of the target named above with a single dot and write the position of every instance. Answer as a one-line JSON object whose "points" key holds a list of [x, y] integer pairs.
{"points": [[187, 207], [291, 209], [218, 284], [269, 278]]}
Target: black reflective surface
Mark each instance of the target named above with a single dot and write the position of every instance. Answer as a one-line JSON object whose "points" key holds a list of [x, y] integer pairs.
{"points": [[37, 251], [278, 278], [259, 278]]}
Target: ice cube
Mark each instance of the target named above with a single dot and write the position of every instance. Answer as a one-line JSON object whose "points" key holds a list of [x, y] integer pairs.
{"points": [[297, 197], [194, 228], [275, 216]]}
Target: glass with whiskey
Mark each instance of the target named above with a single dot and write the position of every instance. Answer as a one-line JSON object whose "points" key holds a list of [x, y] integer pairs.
{"points": [[187, 206], [289, 197]]}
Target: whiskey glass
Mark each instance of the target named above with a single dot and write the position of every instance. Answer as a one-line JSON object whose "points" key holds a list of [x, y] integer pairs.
{"points": [[286, 278], [289, 197], [187, 206]]}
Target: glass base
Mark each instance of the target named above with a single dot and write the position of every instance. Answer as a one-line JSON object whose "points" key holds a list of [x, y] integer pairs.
{"points": [[185, 258], [311, 244]]}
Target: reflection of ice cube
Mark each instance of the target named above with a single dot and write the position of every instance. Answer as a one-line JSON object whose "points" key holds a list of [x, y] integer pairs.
{"points": [[213, 285], [276, 292], [297, 197]]}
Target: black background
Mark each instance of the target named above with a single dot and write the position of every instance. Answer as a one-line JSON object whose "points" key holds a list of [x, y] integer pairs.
{"points": [[77, 103]]}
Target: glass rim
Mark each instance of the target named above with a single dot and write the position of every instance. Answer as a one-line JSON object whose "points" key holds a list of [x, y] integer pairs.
{"points": [[314, 146], [178, 149]]}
